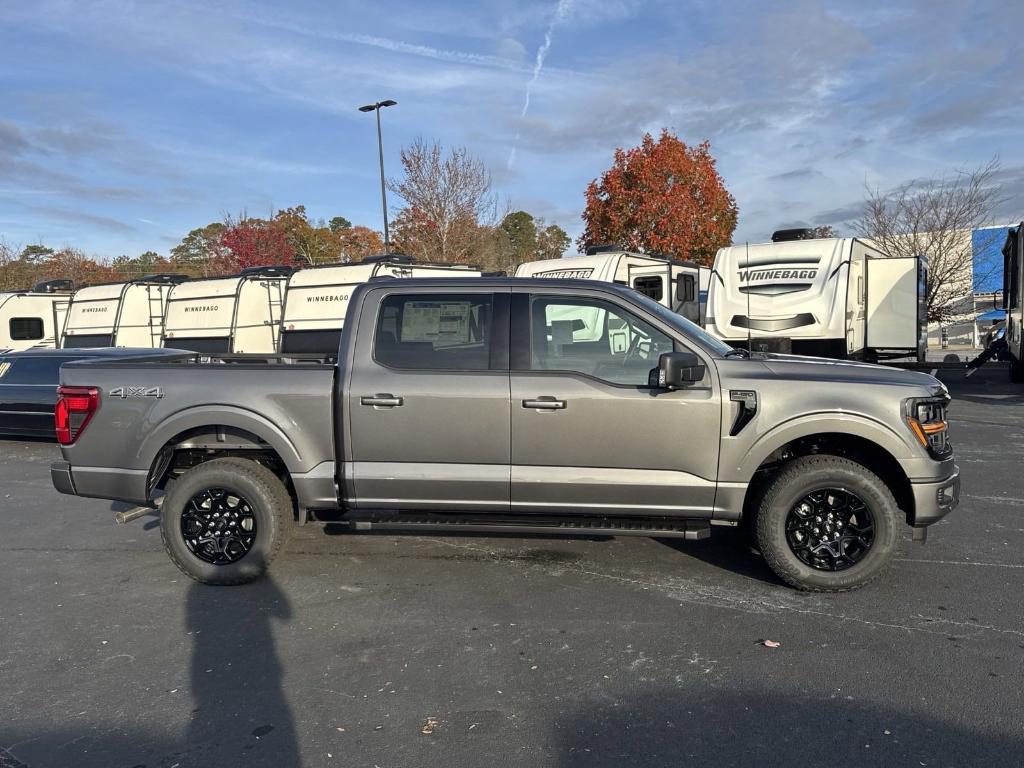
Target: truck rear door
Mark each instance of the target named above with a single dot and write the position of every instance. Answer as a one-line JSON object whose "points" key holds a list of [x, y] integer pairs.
{"points": [[426, 416]]}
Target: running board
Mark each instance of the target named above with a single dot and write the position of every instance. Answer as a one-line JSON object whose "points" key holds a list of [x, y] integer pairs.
{"points": [[668, 528]]}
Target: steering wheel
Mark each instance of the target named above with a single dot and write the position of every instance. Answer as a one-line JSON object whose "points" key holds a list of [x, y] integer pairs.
{"points": [[635, 349]]}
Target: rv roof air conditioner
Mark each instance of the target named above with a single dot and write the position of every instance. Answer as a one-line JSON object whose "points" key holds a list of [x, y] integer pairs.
{"points": [[163, 278], [54, 286], [398, 258], [271, 270], [593, 250], [786, 235]]}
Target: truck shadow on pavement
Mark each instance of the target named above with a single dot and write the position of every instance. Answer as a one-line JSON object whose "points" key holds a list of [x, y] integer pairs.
{"points": [[728, 549], [704, 725]]}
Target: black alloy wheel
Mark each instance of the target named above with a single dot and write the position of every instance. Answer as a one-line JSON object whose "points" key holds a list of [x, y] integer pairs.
{"points": [[830, 529], [218, 526]]}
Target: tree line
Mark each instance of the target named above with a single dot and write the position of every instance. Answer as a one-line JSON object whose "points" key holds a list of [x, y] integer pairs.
{"points": [[292, 238]]}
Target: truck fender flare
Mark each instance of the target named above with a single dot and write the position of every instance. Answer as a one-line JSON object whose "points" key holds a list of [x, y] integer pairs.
{"points": [[210, 417], [811, 424]]}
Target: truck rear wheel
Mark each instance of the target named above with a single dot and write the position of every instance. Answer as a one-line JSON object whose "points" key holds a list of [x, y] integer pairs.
{"points": [[224, 521], [827, 524]]}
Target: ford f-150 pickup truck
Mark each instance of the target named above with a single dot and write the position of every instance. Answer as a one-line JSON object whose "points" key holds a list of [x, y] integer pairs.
{"points": [[515, 405]]}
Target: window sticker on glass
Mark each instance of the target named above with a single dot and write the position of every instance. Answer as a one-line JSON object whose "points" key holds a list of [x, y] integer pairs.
{"points": [[442, 323]]}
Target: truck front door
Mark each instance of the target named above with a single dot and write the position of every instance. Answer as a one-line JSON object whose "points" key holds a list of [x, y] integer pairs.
{"points": [[588, 433], [426, 424]]}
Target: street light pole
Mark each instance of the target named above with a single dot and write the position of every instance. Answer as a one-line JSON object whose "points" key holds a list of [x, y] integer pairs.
{"points": [[380, 151]]}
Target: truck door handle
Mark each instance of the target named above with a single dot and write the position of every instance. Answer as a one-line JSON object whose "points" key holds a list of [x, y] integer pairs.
{"points": [[381, 400], [546, 403]]}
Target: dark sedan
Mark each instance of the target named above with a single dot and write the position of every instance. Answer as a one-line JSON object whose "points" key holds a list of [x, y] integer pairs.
{"points": [[28, 385]]}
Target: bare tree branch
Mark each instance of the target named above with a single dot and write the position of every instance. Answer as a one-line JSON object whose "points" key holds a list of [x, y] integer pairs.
{"points": [[935, 218], [450, 209]]}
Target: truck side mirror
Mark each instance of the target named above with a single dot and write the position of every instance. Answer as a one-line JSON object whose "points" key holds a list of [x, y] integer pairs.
{"points": [[677, 370]]}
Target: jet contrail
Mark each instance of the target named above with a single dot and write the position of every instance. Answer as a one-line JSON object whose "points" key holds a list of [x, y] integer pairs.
{"points": [[561, 12]]}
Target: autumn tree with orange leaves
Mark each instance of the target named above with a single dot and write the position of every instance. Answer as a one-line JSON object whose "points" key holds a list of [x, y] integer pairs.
{"points": [[661, 197]]}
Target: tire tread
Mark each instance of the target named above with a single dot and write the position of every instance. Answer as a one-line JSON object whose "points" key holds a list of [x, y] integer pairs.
{"points": [[259, 475], [792, 472]]}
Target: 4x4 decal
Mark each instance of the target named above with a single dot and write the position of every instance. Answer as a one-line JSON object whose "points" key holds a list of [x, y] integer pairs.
{"points": [[125, 392]]}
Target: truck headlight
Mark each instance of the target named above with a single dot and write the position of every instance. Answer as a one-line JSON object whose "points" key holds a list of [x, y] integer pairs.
{"points": [[927, 420]]}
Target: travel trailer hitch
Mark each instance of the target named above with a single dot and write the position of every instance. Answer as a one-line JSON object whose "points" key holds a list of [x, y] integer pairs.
{"points": [[997, 349]]}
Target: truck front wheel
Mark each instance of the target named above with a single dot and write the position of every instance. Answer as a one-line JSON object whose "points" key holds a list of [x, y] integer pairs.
{"points": [[827, 524], [224, 521]]}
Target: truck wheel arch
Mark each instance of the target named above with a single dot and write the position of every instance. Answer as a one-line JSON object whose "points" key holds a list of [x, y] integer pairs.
{"points": [[210, 419], [873, 445], [224, 432]]}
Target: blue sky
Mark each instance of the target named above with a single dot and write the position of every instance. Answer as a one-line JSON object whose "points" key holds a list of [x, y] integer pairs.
{"points": [[125, 124]]}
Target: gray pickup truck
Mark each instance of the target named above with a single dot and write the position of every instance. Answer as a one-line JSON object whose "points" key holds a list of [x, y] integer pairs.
{"points": [[515, 405]]}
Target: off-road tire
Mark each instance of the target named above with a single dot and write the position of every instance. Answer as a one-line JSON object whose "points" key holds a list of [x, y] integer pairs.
{"points": [[806, 475], [265, 493]]}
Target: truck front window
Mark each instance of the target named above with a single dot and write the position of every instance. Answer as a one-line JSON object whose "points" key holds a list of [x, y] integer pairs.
{"points": [[596, 338]]}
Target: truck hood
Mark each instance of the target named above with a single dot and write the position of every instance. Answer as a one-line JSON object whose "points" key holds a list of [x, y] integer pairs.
{"points": [[839, 371]]}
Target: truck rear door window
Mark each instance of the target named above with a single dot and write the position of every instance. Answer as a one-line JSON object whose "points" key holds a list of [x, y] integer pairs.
{"points": [[26, 328], [431, 332]]}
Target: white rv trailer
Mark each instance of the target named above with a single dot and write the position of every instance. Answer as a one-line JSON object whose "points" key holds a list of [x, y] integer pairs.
{"points": [[679, 285], [317, 297], [238, 314], [119, 314], [34, 318], [1013, 300], [830, 297]]}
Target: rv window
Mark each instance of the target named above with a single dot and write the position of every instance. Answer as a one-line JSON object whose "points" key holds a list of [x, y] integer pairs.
{"points": [[26, 328], [686, 288], [650, 286], [451, 332], [595, 338]]}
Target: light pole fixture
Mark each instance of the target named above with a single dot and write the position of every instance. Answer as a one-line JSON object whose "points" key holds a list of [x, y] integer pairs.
{"points": [[380, 151]]}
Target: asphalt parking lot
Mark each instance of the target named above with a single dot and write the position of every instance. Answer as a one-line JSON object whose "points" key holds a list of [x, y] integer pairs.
{"points": [[411, 651]]}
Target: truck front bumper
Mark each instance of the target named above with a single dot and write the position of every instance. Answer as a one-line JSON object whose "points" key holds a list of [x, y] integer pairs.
{"points": [[934, 500]]}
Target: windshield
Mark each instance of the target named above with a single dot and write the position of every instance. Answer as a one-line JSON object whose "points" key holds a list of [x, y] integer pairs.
{"points": [[687, 328]]}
